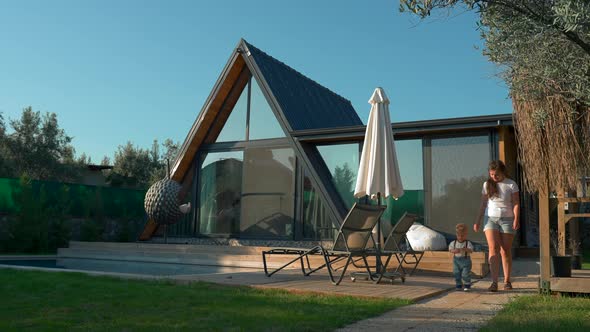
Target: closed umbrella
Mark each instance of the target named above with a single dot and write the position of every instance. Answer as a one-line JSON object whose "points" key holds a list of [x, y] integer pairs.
{"points": [[378, 169], [378, 174]]}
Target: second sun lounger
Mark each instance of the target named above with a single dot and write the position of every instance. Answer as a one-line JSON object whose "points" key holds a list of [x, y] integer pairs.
{"points": [[397, 245]]}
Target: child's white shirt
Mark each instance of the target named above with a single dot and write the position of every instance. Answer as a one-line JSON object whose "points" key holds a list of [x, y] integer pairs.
{"points": [[460, 245]]}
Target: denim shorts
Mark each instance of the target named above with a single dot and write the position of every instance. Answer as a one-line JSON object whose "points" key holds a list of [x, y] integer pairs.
{"points": [[501, 224]]}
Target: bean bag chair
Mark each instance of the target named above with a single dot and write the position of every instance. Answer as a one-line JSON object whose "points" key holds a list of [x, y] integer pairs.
{"points": [[424, 238]]}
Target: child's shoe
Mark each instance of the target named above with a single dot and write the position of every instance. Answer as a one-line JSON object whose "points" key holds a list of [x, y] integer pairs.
{"points": [[467, 288]]}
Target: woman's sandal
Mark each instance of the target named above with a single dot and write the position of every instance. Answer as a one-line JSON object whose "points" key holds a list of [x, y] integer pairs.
{"points": [[493, 287]]}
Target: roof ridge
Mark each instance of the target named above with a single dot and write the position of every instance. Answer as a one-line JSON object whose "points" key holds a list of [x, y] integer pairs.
{"points": [[296, 71]]}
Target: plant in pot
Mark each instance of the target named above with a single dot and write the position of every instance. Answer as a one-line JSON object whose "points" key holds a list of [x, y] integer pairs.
{"points": [[561, 265]]}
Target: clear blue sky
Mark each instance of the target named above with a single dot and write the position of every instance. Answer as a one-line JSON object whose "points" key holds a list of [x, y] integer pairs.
{"points": [[118, 71]]}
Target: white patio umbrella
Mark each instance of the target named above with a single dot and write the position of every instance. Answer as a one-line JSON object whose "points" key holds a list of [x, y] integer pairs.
{"points": [[378, 169], [378, 173]]}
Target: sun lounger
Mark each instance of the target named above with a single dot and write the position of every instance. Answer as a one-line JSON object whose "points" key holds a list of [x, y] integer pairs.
{"points": [[397, 245], [350, 243]]}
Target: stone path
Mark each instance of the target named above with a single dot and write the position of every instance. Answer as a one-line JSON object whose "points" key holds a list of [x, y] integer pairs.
{"points": [[453, 310]]}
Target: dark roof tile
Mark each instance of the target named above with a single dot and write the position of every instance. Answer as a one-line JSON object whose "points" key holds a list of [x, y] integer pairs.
{"points": [[305, 103]]}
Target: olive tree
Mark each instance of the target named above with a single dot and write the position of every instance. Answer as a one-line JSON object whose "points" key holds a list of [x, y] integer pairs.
{"points": [[542, 48]]}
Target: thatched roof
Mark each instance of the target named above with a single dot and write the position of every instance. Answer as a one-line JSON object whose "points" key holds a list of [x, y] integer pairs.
{"points": [[554, 141]]}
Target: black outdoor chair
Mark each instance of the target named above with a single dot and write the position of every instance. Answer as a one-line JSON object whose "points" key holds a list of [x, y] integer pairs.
{"points": [[350, 243], [397, 245]]}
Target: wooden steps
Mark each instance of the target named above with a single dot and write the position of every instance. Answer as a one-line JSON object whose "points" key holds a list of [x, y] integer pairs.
{"points": [[578, 283], [442, 261], [170, 256]]}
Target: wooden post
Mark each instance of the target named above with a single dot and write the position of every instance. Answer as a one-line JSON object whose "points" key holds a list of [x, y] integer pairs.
{"points": [[502, 137], [545, 259], [561, 224], [574, 224], [507, 149]]}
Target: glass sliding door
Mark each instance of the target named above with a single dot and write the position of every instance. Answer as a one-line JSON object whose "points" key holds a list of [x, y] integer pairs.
{"points": [[220, 193], [409, 157], [268, 193], [458, 168]]}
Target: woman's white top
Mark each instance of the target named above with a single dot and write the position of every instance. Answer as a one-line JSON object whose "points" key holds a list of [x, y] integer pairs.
{"points": [[501, 205]]}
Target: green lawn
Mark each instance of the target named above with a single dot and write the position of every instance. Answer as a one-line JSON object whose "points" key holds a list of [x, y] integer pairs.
{"points": [[543, 313], [31, 300]]}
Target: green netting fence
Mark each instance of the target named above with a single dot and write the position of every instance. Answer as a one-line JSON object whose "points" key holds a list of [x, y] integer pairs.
{"points": [[41, 216], [78, 200]]}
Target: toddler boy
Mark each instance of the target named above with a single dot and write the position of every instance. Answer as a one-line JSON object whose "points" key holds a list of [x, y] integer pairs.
{"points": [[462, 249]]}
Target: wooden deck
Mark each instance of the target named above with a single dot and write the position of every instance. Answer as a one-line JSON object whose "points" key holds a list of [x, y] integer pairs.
{"points": [[440, 262], [241, 266], [230, 256], [578, 283], [247, 271], [422, 284], [415, 288]]}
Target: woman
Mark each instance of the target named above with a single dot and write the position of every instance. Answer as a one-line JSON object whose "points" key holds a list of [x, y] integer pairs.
{"points": [[500, 204]]}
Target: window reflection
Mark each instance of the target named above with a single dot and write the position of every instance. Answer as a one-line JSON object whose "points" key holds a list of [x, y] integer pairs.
{"points": [[268, 193], [458, 171], [409, 158], [220, 193], [343, 162], [317, 223]]}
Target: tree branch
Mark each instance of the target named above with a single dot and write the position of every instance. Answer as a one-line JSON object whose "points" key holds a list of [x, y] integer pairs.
{"points": [[528, 12]]}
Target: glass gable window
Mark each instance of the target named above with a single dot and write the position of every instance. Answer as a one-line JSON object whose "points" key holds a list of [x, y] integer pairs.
{"points": [[458, 170], [268, 193], [263, 122], [220, 193], [235, 126], [249, 192], [252, 110], [343, 162]]}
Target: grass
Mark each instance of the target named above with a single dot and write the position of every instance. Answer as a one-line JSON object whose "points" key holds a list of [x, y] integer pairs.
{"points": [[543, 313], [45, 301]]}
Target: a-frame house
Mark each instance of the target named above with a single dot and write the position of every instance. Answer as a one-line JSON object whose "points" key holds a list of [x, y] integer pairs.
{"points": [[273, 155], [257, 107]]}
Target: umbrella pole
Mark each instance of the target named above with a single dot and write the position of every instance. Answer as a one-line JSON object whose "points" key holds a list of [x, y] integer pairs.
{"points": [[378, 264]]}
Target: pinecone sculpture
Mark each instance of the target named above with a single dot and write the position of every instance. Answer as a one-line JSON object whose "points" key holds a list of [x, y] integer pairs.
{"points": [[161, 202]]}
